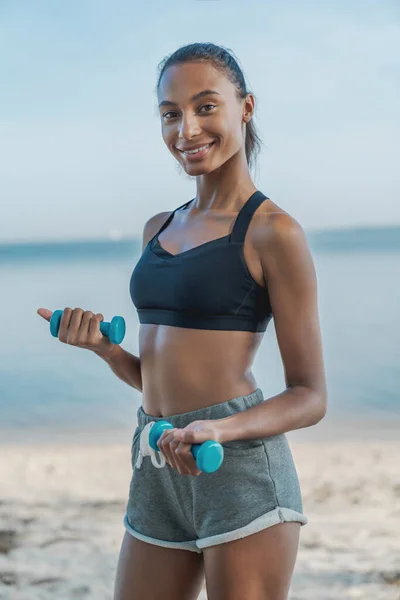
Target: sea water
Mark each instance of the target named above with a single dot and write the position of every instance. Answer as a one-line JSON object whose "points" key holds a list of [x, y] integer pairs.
{"points": [[50, 389]]}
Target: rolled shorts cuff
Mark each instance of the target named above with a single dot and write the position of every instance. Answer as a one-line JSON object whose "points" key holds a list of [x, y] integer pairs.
{"points": [[191, 545], [280, 514]]}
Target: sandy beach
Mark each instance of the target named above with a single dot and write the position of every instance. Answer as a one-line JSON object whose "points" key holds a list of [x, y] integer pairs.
{"points": [[61, 509]]}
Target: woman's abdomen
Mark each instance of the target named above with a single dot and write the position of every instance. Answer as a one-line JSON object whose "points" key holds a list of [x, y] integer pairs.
{"points": [[186, 369]]}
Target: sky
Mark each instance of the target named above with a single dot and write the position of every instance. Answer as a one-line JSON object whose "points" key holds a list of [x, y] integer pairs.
{"points": [[81, 151]]}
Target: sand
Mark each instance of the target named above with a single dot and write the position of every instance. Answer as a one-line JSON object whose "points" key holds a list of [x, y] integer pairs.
{"points": [[61, 509]]}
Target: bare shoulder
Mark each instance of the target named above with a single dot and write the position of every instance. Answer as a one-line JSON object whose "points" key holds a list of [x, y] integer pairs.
{"points": [[278, 237], [282, 228], [272, 225], [153, 224]]}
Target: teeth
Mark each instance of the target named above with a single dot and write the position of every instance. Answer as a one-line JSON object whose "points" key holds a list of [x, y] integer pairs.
{"points": [[197, 150]]}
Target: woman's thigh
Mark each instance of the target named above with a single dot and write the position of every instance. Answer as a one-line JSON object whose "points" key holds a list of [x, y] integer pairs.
{"points": [[149, 572], [256, 567]]}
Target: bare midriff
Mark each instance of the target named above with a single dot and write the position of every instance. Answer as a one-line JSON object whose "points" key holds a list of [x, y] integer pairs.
{"points": [[187, 369]]}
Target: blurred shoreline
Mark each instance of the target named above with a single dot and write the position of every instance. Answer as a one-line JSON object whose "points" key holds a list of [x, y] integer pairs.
{"points": [[361, 235], [61, 510], [332, 429]]}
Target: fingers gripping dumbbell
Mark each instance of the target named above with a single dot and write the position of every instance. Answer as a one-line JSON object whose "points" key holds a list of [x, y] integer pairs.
{"points": [[208, 455], [115, 330]]}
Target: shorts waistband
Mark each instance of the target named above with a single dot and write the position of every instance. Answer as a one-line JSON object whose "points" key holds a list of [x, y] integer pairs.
{"points": [[215, 411]]}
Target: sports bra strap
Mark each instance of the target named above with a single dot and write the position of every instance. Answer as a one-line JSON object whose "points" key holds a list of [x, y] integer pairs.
{"points": [[245, 215], [242, 220], [168, 221]]}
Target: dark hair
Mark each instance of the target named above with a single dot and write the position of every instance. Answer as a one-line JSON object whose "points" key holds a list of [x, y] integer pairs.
{"points": [[223, 60]]}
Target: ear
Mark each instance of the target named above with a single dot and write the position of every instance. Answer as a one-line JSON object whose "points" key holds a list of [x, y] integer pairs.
{"points": [[248, 108]]}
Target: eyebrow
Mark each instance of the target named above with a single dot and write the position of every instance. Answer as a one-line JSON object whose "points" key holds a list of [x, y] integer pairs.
{"points": [[192, 99]]}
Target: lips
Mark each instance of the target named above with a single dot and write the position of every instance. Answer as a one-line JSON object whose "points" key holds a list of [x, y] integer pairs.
{"points": [[196, 147], [200, 155]]}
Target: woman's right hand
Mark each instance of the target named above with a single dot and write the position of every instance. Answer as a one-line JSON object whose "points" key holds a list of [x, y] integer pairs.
{"points": [[80, 328]]}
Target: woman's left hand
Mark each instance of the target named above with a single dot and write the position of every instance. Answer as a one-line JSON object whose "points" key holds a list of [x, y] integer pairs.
{"points": [[175, 444], [198, 432]]}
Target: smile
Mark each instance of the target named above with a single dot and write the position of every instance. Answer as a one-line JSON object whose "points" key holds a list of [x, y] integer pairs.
{"points": [[199, 153]]}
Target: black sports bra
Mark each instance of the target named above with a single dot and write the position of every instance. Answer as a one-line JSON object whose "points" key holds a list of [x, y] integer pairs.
{"points": [[206, 287]]}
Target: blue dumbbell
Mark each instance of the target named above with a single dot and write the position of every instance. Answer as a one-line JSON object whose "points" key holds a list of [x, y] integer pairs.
{"points": [[114, 330], [208, 455]]}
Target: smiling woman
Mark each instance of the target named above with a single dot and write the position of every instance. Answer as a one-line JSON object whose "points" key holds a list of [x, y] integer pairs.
{"points": [[212, 275], [221, 97]]}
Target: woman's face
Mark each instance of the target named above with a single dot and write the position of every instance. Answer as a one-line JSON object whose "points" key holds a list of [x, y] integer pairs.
{"points": [[214, 118]]}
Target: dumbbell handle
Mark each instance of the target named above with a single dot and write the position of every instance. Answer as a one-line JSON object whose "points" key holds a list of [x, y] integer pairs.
{"points": [[115, 330], [105, 327], [208, 455]]}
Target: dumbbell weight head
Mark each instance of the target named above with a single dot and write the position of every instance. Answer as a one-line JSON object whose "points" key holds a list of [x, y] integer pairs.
{"points": [[114, 330], [208, 456], [55, 322], [156, 432]]}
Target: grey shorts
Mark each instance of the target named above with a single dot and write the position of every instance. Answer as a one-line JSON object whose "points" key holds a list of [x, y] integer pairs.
{"points": [[255, 487]]}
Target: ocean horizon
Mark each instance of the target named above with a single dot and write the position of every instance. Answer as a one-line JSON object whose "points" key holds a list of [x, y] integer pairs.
{"points": [[335, 238]]}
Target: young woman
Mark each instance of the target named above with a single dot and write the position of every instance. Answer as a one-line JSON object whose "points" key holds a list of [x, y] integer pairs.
{"points": [[212, 274]]}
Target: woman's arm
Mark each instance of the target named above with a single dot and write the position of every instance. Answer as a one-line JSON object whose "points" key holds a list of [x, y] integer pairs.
{"points": [[125, 365], [292, 285]]}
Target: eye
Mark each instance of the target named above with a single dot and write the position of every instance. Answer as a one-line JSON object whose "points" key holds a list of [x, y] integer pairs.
{"points": [[205, 105], [170, 112]]}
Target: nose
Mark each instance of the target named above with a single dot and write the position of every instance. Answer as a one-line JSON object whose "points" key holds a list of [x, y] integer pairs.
{"points": [[189, 126]]}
